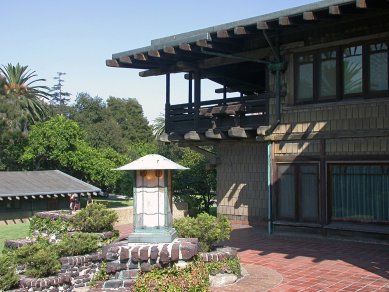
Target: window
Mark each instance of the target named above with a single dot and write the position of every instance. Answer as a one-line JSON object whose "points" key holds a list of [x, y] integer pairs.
{"points": [[359, 192], [305, 77], [378, 67], [359, 70], [297, 196], [327, 74], [352, 70]]}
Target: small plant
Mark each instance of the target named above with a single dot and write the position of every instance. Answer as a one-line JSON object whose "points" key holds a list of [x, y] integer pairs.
{"points": [[50, 226], [192, 278], [78, 244], [228, 266], [100, 275], [94, 218], [208, 229], [8, 277]]}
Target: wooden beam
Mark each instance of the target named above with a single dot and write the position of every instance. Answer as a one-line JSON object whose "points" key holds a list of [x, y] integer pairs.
{"points": [[62, 195], [48, 196], [203, 44], [308, 16], [193, 136], [214, 134], [262, 25], [1, 198], [55, 196], [240, 30], [9, 198], [125, 59], [185, 47], [284, 21], [17, 198], [334, 10], [237, 132], [361, 4], [140, 57], [169, 50], [154, 53], [26, 197], [223, 34], [111, 63], [33, 197]]}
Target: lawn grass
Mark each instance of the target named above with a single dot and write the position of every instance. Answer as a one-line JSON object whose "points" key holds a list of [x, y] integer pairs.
{"points": [[115, 203], [14, 231]]}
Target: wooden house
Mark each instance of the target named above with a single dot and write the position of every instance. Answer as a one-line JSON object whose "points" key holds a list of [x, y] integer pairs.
{"points": [[300, 123], [23, 193]]}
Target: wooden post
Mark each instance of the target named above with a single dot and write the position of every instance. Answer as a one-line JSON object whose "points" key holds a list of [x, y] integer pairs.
{"points": [[167, 104], [190, 89], [197, 98], [224, 95]]}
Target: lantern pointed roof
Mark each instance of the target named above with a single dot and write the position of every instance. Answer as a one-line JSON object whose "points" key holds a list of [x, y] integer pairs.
{"points": [[151, 161]]}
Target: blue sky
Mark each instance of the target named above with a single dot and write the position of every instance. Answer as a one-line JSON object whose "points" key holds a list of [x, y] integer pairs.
{"points": [[77, 36]]}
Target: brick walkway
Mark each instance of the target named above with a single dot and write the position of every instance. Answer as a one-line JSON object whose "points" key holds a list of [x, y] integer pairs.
{"points": [[301, 263]]}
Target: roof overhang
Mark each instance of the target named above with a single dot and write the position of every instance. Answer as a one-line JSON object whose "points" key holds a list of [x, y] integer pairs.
{"points": [[223, 52]]}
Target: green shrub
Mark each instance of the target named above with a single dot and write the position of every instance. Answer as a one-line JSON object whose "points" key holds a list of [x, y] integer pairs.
{"points": [[192, 278], [77, 244], [208, 229], [228, 266], [44, 263], [100, 275], [41, 259], [51, 226], [8, 277], [94, 218]]}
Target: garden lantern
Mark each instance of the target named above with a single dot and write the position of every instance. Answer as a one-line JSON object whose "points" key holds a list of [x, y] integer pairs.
{"points": [[152, 198]]}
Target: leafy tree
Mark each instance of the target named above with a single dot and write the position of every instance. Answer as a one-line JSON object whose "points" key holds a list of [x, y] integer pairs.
{"points": [[116, 123], [59, 96], [20, 83], [59, 144], [20, 106], [128, 113], [197, 185]]}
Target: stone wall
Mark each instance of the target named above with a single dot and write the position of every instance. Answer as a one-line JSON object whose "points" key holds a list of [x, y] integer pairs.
{"points": [[242, 182]]}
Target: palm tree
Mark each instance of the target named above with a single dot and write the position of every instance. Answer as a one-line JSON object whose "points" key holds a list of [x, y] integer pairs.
{"points": [[20, 86]]}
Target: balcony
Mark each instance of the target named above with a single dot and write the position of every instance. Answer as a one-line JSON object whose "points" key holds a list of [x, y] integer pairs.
{"points": [[237, 117]]}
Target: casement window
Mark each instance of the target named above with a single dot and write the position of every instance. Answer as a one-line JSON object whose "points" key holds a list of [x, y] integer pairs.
{"points": [[297, 192], [359, 70], [359, 192]]}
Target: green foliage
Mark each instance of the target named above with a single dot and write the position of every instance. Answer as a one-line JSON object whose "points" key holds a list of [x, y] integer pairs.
{"points": [[115, 124], [43, 263], [58, 144], [197, 185], [227, 266], [57, 226], [95, 218], [208, 229], [100, 275], [52, 144], [8, 277], [41, 259], [78, 244], [192, 278]]}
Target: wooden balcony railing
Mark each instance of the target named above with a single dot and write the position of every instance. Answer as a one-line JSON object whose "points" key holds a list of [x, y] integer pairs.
{"points": [[248, 112]]}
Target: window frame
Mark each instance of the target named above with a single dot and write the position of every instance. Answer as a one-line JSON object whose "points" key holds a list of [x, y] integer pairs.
{"points": [[298, 197], [329, 167], [340, 95]]}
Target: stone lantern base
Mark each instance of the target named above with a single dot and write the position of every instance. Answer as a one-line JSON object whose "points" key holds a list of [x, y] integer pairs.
{"points": [[153, 235]]}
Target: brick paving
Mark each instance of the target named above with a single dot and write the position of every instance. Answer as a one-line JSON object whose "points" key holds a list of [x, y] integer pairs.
{"points": [[301, 263]]}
